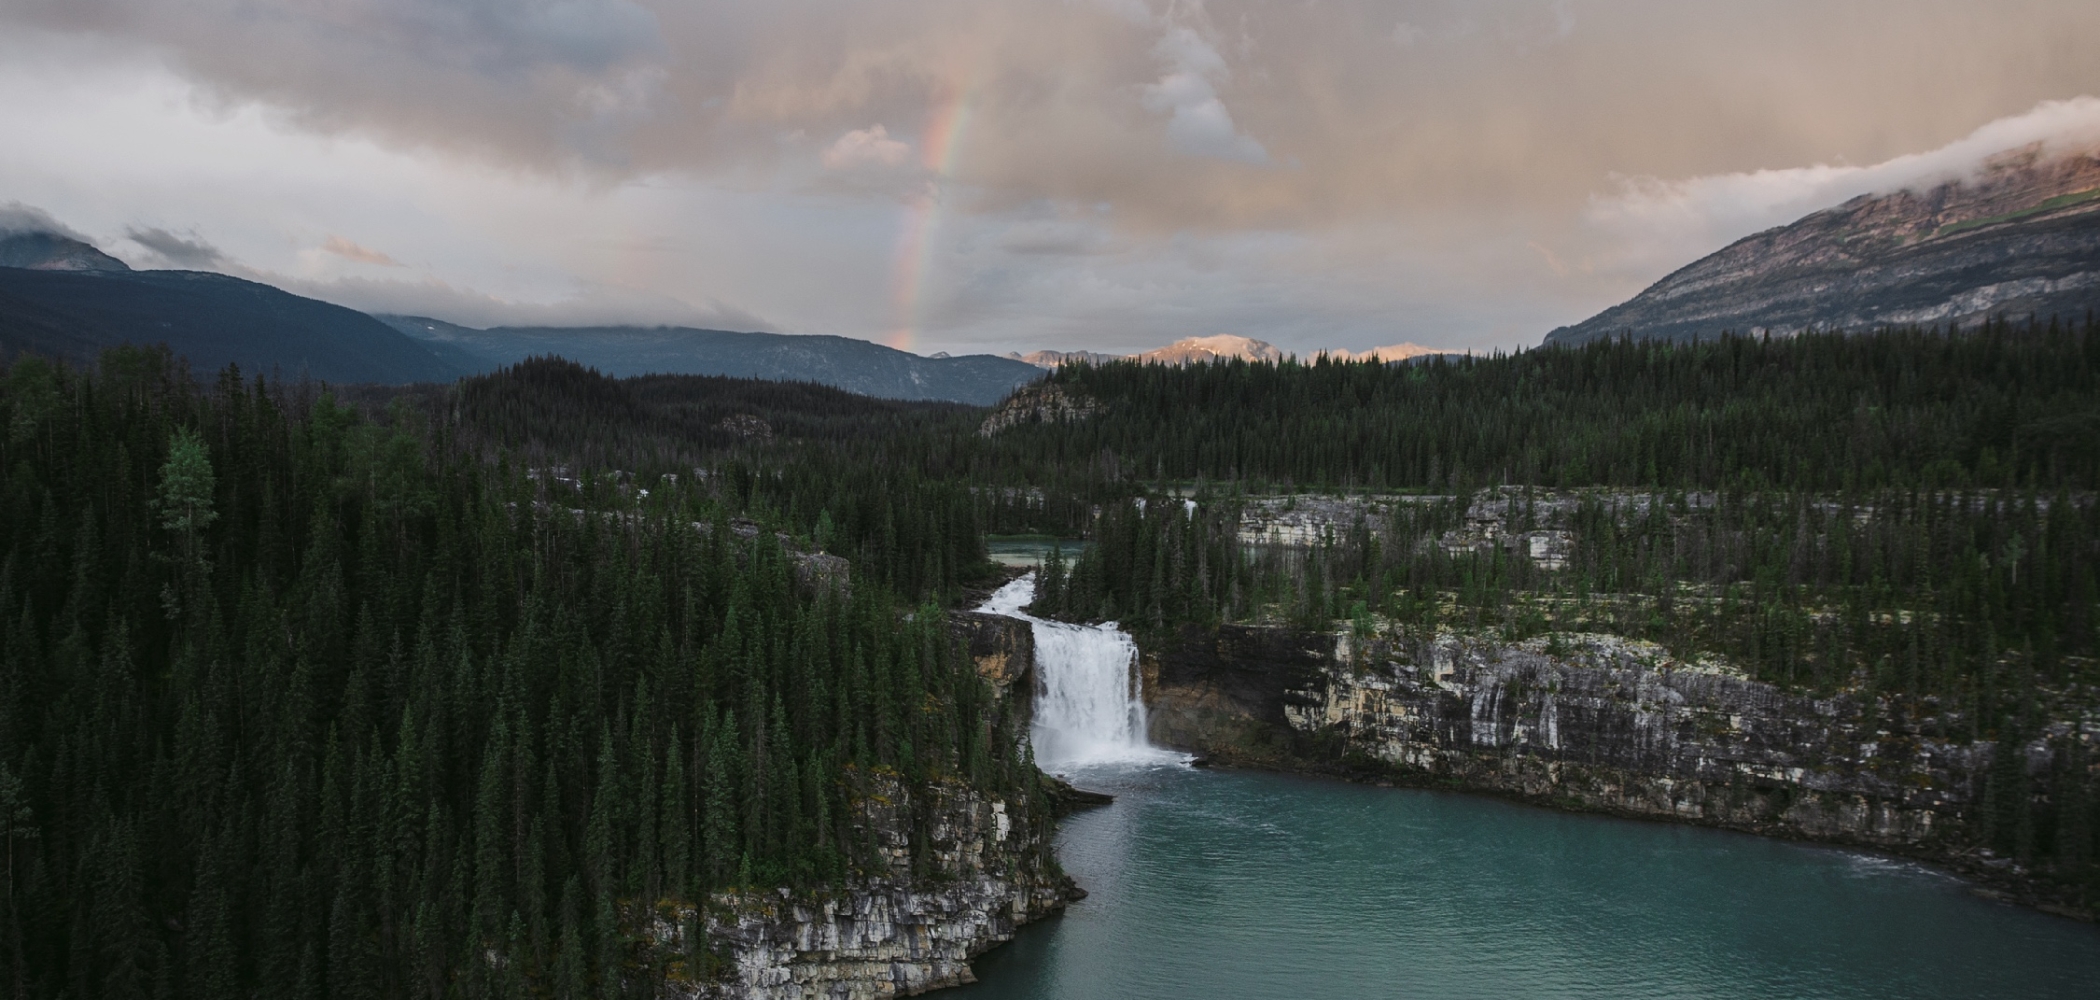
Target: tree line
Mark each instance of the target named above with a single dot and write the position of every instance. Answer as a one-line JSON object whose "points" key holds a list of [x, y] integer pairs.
{"points": [[2009, 405], [297, 703]]}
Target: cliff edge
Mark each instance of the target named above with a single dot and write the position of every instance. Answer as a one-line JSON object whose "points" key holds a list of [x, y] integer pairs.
{"points": [[1602, 724]]}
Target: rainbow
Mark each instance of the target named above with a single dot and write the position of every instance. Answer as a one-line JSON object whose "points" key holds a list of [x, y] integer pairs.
{"points": [[938, 149]]}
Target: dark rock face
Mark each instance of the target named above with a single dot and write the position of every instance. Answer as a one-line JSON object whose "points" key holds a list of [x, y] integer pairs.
{"points": [[1601, 726], [1004, 650], [1230, 692], [2021, 240]]}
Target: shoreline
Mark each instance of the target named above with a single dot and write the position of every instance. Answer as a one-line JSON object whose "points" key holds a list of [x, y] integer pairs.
{"points": [[1984, 880]]}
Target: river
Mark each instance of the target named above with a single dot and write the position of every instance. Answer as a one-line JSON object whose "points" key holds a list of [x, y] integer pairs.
{"points": [[1222, 884]]}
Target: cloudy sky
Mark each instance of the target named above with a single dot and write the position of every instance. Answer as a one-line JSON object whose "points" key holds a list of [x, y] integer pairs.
{"points": [[992, 175]]}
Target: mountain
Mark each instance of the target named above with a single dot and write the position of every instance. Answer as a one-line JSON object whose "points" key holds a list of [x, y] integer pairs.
{"points": [[73, 301], [1188, 350], [1191, 350], [841, 362], [52, 252], [2019, 239], [1391, 353], [1051, 359], [63, 297]]}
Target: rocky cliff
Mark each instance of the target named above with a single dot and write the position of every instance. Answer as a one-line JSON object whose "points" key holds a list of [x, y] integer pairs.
{"points": [[2021, 239], [1004, 651], [945, 890], [1586, 722], [1042, 403], [985, 869]]}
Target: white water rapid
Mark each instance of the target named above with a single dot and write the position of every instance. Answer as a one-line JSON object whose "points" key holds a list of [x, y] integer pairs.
{"points": [[1087, 705]]}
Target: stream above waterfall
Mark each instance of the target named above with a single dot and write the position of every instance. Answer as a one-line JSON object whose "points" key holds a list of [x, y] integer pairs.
{"points": [[1226, 884]]}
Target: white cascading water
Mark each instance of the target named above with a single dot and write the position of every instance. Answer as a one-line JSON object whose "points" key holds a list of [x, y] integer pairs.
{"points": [[1087, 704]]}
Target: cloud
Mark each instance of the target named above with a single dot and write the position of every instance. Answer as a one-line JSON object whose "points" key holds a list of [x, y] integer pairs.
{"points": [[1100, 185], [1053, 237], [1499, 106], [17, 218], [867, 148], [1200, 126], [535, 80], [1652, 222], [193, 253], [587, 304], [350, 251]]}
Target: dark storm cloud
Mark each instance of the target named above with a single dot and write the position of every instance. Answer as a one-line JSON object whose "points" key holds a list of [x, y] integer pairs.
{"points": [[190, 253]]}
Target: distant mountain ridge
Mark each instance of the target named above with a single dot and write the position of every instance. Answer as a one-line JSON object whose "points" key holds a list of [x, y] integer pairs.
{"points": [[2021, 239], [841, 362], [40, 251], [64, 298], [1220, 347], [1051, 359]]}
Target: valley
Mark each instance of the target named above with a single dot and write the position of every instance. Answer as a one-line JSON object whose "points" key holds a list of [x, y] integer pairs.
{"points": [[637, 500], [696, 686]]}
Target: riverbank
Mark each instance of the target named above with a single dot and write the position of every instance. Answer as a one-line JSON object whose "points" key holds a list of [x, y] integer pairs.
{"points": [[1597, 726], [1237, 883]]}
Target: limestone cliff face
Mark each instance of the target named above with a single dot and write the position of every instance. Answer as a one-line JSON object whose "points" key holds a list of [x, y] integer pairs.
{"points": [[1606, 730], [2020, 239], [985, 870], [945, 890], [1598, 723]]}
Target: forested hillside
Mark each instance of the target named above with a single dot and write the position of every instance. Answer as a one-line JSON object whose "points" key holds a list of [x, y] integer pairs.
{"points": [[1907, 518], [442, 691], [299, 704], [1936, 552], [2004, 406]]}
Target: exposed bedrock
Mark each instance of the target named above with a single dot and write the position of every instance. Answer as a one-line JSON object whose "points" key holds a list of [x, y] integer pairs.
{"points": [[984, 871], [1596, 726], [951, 885], [1004, 650]]}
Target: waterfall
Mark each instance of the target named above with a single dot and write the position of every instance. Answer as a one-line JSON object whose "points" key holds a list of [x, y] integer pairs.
{"points": [[1087, 704]]}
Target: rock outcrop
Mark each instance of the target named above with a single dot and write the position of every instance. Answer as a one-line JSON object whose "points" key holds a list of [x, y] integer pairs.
{"points": [[1004, 651], [1042, 403], [2020, 240], [984, 871], [1587, 722], [943, 891]]}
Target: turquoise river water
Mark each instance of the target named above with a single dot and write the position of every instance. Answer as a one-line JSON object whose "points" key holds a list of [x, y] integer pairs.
{"points": [[1223, 884]]}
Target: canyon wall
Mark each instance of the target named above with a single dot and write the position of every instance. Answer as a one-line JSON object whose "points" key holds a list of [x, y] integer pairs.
{"points": [[984, 870], [960, 881], [1590, 722]]}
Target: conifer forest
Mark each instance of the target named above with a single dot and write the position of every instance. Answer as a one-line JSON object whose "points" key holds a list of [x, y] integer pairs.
{"points": [[318, 691]]}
